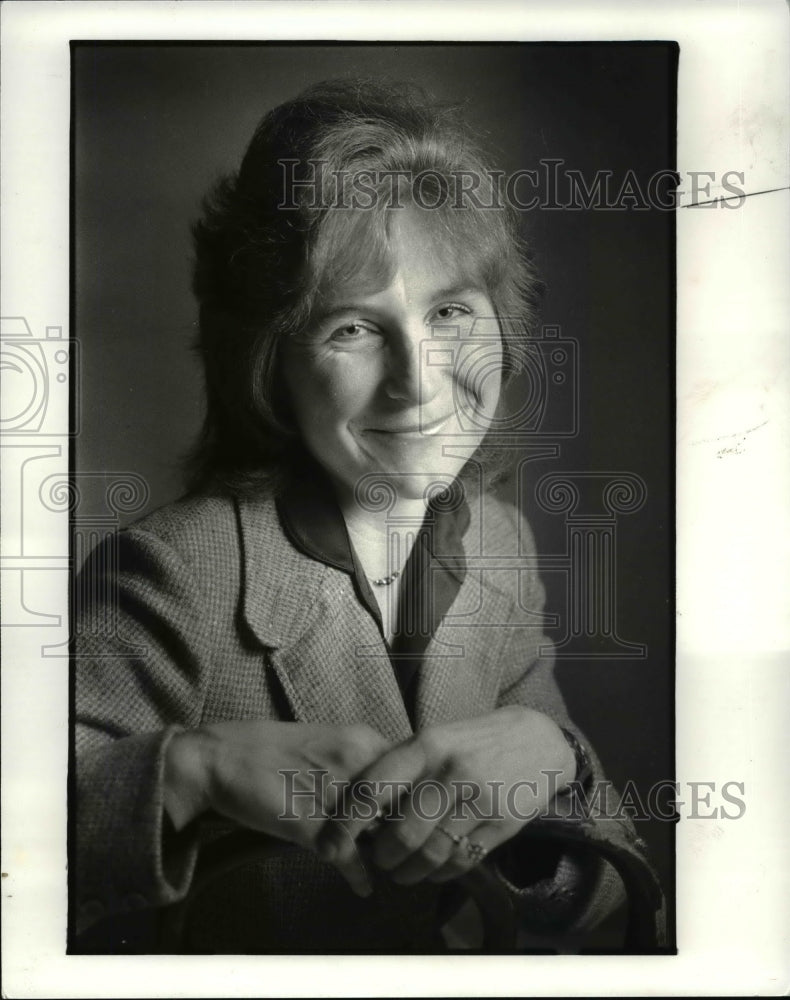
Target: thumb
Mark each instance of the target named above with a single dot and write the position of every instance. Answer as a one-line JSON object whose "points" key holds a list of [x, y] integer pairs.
{"points": [[350, 864]]}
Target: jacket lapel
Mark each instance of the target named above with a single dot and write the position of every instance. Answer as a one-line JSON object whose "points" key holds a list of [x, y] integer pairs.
{"points": [[324, 647], [464, 662], [339, 673], [460, 675]]}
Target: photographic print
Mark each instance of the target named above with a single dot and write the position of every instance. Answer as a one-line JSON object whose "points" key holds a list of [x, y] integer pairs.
{"points": [[377, 341], [392, 522]]}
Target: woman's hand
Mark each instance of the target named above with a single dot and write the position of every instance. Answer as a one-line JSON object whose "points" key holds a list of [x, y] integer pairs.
{"points": [[454, 792], [282, 778]]}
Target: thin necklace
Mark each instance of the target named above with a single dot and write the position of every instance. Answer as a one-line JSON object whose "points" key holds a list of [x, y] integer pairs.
{"points": [[380, 581]]}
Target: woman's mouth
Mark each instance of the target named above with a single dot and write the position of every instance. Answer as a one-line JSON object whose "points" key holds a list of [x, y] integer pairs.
{"points": [[412, 429]]}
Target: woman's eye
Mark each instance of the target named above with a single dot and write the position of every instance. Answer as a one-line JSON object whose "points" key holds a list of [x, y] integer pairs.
{"points": [[352, 333], [451, 310], [352, 330], [349, 332]]}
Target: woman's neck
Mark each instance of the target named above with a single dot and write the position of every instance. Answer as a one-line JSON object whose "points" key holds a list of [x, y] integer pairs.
{"points": [[403, 515], [383, 539]]}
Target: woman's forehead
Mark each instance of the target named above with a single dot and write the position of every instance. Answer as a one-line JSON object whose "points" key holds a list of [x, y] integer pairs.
{"points": [[365, 258]]}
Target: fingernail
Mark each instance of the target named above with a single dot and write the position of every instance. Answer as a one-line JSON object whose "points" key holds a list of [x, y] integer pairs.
{"points": [[361, 884], [327, 851]]}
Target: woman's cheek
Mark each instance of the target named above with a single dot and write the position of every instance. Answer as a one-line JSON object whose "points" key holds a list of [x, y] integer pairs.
{"points": [[349, 380], [480, 384]]}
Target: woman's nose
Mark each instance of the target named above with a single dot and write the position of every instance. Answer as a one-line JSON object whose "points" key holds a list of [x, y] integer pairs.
{"points": [[408, 380]]}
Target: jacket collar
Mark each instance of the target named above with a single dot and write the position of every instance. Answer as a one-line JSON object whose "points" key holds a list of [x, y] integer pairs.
{"points": [[301, 534], [312, 520]]}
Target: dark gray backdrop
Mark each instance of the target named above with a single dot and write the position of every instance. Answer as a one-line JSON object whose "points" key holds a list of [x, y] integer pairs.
{"points": [[154, 125]]}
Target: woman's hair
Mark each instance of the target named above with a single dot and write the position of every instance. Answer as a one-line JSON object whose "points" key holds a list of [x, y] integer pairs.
{"points": [[307, 211]]}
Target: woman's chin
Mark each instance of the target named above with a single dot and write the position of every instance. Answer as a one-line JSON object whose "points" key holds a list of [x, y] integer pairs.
{"points": [[417, 485]]}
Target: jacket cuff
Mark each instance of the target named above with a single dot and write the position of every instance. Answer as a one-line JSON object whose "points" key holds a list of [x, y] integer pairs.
{"points": [[126, 859]]}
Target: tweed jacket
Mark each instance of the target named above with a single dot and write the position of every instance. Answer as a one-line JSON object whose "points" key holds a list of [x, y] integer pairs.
{"points": [[205, 611]]}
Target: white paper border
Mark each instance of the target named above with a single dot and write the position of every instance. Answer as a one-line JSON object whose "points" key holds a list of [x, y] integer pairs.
{"points": [[733, 498]]}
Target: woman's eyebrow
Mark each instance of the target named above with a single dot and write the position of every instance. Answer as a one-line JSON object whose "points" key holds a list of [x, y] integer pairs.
{"points": [[456, 291], [333, 310], [342, 308]]}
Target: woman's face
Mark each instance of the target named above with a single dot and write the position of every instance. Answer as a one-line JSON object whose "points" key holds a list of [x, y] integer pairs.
{"points": [[401, 381]]}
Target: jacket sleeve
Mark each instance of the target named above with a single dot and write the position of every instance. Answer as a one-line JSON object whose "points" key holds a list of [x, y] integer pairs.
{"points": [[557, 889], [140, 671]]}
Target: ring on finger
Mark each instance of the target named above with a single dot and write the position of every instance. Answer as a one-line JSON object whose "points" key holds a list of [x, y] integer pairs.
{"points": [[475, 851], [456, 838]]}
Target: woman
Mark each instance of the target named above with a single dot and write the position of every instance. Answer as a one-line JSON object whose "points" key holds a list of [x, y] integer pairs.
{"points": [[332, 645]]}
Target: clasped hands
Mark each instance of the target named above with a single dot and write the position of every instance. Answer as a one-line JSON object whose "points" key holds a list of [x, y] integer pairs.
{"points": [[430, 807]]}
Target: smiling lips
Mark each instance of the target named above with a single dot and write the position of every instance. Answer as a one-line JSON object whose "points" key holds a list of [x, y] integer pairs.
{"points": [[412, 430]]}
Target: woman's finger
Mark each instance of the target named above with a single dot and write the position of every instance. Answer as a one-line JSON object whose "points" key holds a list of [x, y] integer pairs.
{"points": [[470, 851], [446, 844], [376, 793], [406, 832]]}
